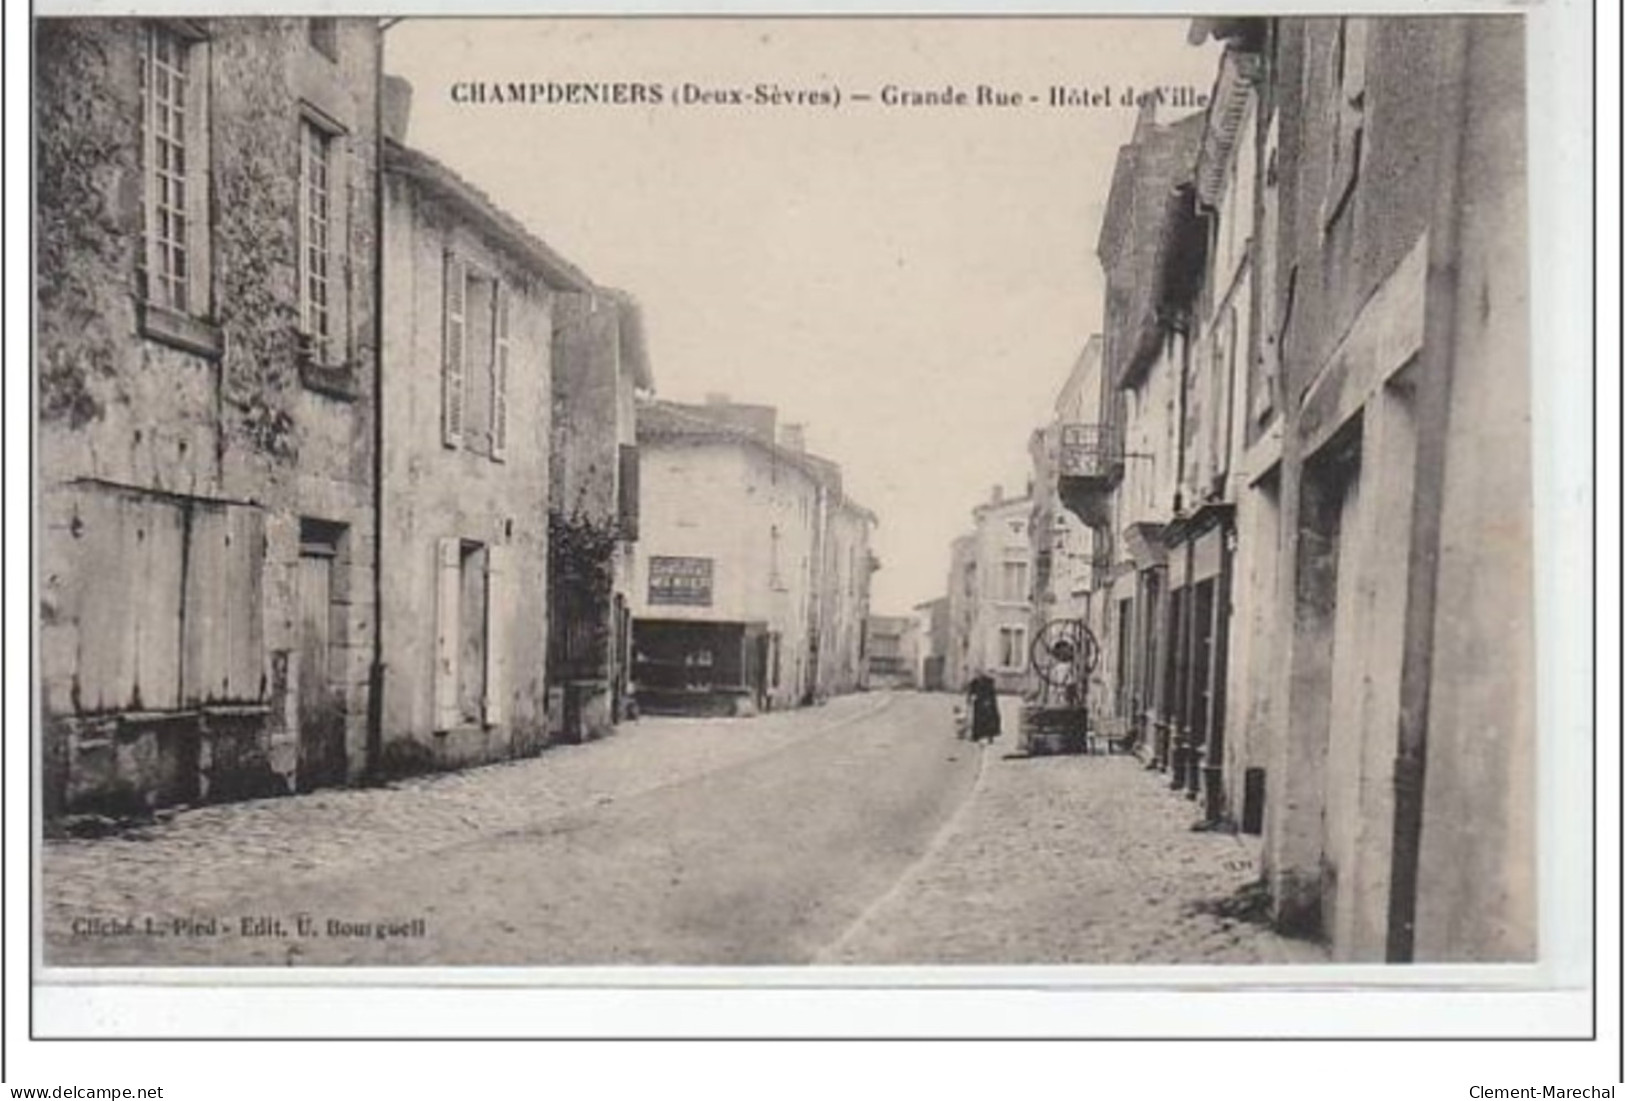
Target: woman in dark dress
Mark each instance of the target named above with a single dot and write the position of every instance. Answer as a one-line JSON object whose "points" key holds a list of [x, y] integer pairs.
{"points": [[982, 694]]}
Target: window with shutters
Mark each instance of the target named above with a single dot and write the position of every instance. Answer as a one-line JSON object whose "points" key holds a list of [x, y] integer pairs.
{"points": [[172, 265], [455, 338], [1348, 113], [477, 359]]}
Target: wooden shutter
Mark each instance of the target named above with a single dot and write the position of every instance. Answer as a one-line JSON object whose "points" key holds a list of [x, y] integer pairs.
{"points": [[498, 601], [501, 356], [104, 608], [501, 306], [154, 536], [448, 632], [205, 660], [245, 580], [628, 490], [454, 367]]}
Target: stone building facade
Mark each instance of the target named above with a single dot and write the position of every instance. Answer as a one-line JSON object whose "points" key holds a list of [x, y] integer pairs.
{"points": [[893, 652], [932, 631], [1313, 471], [1000, 581], [843, 591], [1066, 570], [960, 614], [743, 577], [207, 370], [470, 297], [600, 365], [1403, 701]]}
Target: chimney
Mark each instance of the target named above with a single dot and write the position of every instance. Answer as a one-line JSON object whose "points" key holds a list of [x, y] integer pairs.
{"points": [[397, 107], [793, 437], [1146, 117]]}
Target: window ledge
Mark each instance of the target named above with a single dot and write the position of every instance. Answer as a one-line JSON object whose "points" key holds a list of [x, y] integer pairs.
{"points": [[179, 330], [333, 381]]}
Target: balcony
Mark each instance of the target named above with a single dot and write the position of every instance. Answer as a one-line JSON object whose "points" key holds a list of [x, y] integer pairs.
{"points": [[1089, 464]]}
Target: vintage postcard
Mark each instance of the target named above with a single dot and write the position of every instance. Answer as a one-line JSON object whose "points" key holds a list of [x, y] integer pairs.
{"points": [[802, 494]]}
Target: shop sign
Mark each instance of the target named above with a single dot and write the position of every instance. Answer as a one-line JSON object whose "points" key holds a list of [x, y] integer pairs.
{"points": [[680, 581]]}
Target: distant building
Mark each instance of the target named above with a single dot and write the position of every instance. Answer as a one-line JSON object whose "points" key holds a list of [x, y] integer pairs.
{"points": [[207, 370], [751, 583], [961, 603], [1000, 628], [893, 650], [1066, 570], [1125, 486], [933, 649]]}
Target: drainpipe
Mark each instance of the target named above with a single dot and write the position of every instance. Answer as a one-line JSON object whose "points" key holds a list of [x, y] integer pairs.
{"points": [[1436, 365], [1161, 661], [1213, 765], [375, 683], [1185, 641], [1184, 750]]}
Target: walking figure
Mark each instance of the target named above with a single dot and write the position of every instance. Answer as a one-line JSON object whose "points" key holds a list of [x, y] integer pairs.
{"points": [[982, 696]]}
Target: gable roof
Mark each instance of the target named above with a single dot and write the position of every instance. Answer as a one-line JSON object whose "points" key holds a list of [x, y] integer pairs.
{"points": [[669, 420], [472, 203]]}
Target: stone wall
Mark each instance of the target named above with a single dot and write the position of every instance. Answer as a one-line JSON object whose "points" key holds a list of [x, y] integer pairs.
{"points": [[154, 425]]}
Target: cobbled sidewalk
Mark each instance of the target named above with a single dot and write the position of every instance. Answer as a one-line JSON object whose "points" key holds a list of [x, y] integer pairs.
{"points": [[1067, 860], [210, 855]]}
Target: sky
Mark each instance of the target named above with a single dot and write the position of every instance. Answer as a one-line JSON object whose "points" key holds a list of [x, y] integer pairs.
{"points": [[911, 283]]}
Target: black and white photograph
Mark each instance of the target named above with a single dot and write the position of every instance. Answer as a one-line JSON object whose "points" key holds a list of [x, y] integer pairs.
{"points": [[859, 497]]}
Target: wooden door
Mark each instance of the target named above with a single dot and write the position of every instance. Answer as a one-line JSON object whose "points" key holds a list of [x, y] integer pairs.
{"points": [[320, 713]]}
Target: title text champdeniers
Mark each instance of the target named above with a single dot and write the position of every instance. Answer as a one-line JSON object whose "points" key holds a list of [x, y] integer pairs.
{"points": [[632, 93]]}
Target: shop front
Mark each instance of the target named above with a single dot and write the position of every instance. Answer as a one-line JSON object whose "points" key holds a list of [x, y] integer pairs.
{"points": [[699, 667]]}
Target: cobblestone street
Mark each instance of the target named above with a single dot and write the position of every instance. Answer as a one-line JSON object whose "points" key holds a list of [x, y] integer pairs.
{"points": [[209, 856], [856, 833], [1072, 860]]}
